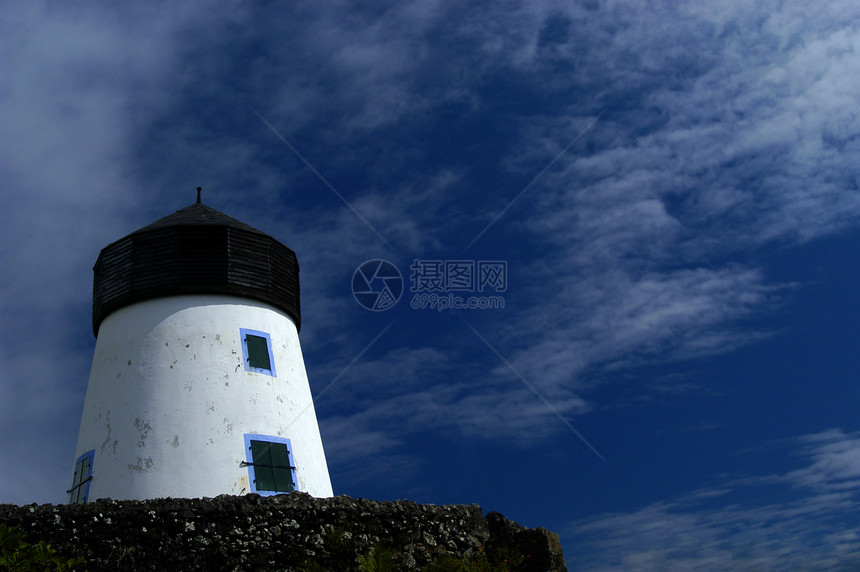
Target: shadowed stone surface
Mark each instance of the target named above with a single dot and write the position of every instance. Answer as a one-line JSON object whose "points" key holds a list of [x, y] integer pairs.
{"points": [[283, 532]]}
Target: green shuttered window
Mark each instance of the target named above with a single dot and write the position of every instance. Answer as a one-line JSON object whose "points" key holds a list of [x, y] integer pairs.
{"points": [[271, 466], [80, 491], [273, 470], [257, 352]]}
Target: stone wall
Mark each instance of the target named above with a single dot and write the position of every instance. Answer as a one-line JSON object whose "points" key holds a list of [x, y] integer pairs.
{"points": [[284, 532]]}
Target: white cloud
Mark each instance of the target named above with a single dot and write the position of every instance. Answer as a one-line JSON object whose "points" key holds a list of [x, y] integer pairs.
{"points": [[72, 90], [740, 146], [835, 465], [728, 528], [415, 393], [630, 233]]}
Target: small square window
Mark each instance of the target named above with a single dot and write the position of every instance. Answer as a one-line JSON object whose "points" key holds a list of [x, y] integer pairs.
{"points": [[257, 352], [270, 463], [80, 491]]}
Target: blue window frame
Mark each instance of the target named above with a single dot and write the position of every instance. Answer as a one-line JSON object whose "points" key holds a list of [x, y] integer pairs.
{"points": [[80, 491], [257, 351], [271, 466]]}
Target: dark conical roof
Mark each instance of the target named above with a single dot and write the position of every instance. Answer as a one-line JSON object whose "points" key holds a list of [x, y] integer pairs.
{"points": [[196, 250], [198, 214]]}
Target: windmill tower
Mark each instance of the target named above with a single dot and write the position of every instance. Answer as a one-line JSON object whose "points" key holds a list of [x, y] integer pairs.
{"points": [[198, 385]]}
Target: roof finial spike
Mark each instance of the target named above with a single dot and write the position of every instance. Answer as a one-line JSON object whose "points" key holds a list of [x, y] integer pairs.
{"points": [[198, 194]]}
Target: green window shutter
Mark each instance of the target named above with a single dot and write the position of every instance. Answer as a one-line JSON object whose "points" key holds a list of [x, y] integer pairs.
{"points": [[258, 352], [83, 473], [283, 468], [76, 481], [272, 467], [263, 470]]}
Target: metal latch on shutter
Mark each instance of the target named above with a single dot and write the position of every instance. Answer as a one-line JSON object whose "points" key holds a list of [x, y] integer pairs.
{"points": [[80, 484]]}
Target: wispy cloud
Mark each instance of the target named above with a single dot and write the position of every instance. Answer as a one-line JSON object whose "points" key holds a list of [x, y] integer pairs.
{"points": [[423, 391], [319, 175], [532, 182], [537, 393], [723, 150], [835, 462], [809, 526], [73, 91]]}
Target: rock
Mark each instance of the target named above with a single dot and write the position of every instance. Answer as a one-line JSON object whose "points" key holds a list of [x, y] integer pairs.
{"points": [[283, 532]]}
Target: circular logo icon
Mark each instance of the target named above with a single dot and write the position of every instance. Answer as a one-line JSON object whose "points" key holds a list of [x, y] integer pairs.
{"points": [[377, 285]]}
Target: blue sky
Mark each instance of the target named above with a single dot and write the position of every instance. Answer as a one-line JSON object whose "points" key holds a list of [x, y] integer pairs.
{"points": [[673, 186]]}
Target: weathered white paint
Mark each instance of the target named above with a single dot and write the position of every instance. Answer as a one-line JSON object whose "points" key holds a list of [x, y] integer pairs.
{"points": [[169, 400]]}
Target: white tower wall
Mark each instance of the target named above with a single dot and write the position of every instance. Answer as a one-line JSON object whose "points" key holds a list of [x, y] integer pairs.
{"points": [[170, 401]]}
